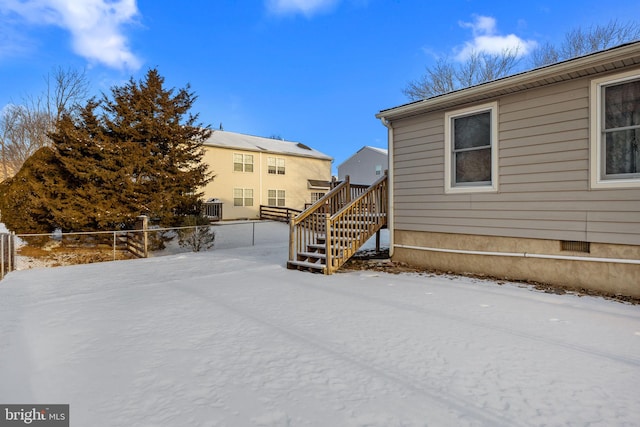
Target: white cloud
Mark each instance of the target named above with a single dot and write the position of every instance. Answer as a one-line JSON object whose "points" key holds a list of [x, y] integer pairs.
{"points": [[95, 26], [305, 7], [486, 39]]}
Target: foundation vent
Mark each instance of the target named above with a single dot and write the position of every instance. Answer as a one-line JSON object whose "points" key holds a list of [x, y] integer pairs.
{"points": [[575, 246]]}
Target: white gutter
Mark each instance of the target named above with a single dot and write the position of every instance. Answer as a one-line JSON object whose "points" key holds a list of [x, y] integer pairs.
{"points": [[390, 209], [523, 255]]}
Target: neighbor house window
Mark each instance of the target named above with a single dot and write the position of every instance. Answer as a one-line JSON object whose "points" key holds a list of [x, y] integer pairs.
{"points": [[471, 149], [242, 197], [275, 165], [378, 170], [242, 162], [276, 198], [315, 196], [615, 135]]}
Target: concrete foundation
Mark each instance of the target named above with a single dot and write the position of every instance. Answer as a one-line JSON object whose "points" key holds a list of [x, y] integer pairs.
{"points": [[615, 277]]}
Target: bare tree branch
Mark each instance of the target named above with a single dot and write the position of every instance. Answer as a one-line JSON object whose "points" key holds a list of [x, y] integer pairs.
{"points": [[25, 128], [580, 41], [65, 89], [436, 80], [495, 66], [544, 55], [446, 76]]}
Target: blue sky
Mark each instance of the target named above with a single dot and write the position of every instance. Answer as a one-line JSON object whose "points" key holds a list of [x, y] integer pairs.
{"points": [[313, 71]]}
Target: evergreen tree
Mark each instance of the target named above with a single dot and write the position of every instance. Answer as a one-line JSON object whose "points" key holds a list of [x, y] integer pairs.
{"points": [[166, 146], [25, 198], [137, 153], [96, 191]]}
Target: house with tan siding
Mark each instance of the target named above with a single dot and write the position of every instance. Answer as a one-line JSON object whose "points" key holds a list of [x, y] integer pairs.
{"points": [[535, 176], [251, 171]]}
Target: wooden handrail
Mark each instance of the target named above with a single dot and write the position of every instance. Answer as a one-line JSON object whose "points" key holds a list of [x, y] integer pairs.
{"points": [[305, 228], [372, 187], [321, 202], [355, 223], [344, 219]]}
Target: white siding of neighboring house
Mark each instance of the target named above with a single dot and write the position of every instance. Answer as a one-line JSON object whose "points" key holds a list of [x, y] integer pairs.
{"points": [[365, 166]]}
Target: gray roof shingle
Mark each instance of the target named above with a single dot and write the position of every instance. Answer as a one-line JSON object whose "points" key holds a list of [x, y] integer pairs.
{"points": [[224, 139]]}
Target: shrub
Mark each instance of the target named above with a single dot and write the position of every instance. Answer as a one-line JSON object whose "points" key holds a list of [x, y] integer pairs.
{"points": [[198, 236]]}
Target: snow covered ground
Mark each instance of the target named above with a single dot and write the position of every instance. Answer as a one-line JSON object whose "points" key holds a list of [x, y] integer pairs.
{"points": [[232, 338]]}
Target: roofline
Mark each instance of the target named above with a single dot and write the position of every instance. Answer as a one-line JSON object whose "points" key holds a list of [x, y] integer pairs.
{"points": [[375, 149], [280, 153], [320, 156], [524, 80], [371, 147]]}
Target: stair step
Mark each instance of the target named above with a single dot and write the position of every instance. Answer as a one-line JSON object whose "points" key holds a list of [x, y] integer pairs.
{"points": [[305, 264], [312, 255], [322, 240], [317, 246]]}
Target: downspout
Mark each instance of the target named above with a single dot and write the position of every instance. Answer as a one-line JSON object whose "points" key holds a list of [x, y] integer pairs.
{"points": [[260, 182], [390, 210]]}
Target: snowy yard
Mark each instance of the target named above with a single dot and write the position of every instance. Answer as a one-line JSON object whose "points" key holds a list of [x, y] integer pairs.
{"points": [[232, 338]]}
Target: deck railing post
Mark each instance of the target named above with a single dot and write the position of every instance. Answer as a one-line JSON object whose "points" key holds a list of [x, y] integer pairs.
{"points": [[2, 251], [12, 251], [143, 225], [328, 245], [291, 238], [348, 198]]}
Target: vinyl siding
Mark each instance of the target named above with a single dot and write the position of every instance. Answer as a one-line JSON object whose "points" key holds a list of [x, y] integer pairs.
{"points": [[361, 167], [298, 170], [543, 183]]}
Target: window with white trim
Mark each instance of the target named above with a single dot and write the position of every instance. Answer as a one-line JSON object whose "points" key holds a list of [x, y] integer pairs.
{"points": [[316, 195], [615, 135], [242, 197], [276, 198], [275, 165], [378, 170], [242, 162], [471, 149]]}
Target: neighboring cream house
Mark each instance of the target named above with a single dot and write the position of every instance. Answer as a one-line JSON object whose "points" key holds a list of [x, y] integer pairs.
{"points": [[251, 171], [366, 166], [534, 176]]}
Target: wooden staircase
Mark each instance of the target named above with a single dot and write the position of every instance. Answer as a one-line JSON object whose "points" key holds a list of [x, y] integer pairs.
{"points": [[324, 236]]}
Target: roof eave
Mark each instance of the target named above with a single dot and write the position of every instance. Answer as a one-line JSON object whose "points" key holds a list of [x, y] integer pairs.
{"points": [[319, 156], [563, 71]]}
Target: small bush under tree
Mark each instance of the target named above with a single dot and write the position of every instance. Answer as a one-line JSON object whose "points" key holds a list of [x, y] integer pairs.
{"points": [[198, 236]]}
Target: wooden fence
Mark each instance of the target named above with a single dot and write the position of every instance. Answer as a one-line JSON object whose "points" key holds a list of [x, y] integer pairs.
{"points": [[7, 253], [276, 213], [138, 242]]}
